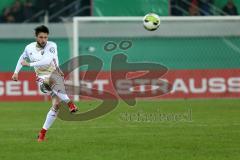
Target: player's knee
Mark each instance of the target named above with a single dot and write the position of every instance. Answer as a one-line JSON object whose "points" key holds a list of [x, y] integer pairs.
{"points": [[55, 107]]}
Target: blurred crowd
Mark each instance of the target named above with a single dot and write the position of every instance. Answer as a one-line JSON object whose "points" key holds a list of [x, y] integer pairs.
{"points": [[17, 12], [34, 10], [201, 8]]}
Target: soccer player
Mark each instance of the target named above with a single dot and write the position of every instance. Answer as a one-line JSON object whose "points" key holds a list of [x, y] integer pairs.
{"points": [[43, 56]]}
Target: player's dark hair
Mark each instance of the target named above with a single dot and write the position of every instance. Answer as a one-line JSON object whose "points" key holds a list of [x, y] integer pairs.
{"points": [[40, 29]]}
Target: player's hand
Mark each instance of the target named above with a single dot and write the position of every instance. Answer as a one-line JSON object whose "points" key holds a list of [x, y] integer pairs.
{"points": [[15, 77], [24, 63]]}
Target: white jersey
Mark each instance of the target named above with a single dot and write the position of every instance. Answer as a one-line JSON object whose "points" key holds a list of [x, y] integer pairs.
{"points": [[44, 60]]}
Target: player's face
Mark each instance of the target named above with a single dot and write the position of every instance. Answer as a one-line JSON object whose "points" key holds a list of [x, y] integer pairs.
{"points": [[42, 39]]}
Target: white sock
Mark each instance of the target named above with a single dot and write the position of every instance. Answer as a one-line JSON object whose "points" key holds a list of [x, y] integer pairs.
{"points": [[51, 116], [64, 97]]}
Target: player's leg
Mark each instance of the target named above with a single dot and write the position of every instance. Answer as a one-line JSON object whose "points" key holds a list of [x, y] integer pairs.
{"points": [[64, 97], [51, 116], [56, 83]]}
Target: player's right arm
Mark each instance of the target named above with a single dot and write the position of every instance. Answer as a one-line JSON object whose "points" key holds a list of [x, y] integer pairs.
{"points": [[19, 65]]}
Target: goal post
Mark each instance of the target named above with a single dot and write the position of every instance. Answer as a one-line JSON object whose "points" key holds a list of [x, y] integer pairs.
{"points": [[187, 42], [76, 21], [75, 54]]}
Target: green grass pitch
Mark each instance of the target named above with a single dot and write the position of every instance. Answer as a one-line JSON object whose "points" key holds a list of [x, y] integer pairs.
{"points": [[210, 131]]}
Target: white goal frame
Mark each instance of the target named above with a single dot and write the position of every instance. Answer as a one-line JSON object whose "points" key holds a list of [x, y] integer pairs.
{"points": [[204, 27], [76, 43]]}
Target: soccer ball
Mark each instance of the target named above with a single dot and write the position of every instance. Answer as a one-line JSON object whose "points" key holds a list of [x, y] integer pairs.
{"points": [[151, 22]]}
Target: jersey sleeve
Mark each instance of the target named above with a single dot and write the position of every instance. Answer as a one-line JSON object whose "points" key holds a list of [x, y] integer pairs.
{"points": [[48, 57], [21, 58]]}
